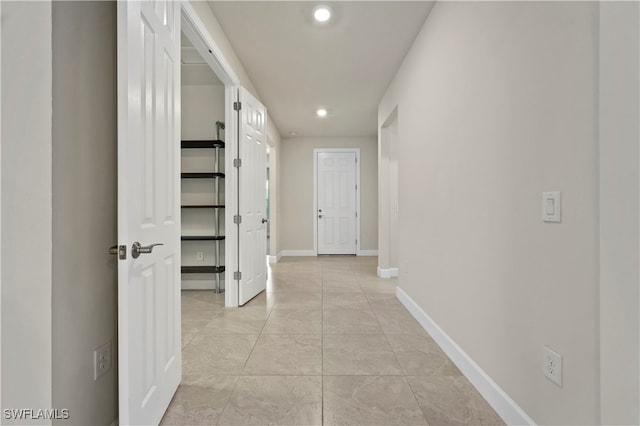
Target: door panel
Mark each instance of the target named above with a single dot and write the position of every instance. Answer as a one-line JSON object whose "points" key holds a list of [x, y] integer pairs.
{"points": [[336, 192], [251, 198], [149, 349]]}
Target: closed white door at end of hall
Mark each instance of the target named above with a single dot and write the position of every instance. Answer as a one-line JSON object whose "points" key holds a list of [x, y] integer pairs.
{"points": [[336, 202]]}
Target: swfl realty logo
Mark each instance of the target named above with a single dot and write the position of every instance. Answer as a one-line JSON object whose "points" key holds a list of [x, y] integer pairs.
{"points": [[36, 414]]}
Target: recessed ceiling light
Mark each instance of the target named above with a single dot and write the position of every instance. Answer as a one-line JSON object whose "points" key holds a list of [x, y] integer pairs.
{"points": [[322, 13], [321, 112], [292, 133]]}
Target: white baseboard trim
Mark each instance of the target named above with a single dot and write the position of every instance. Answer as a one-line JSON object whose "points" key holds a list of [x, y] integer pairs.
{"points": [[388, 272], [367, 253], [297, 253], [275, 259], [506, 407]]}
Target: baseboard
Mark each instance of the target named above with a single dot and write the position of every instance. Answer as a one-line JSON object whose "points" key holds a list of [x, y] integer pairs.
{"points": [[506, 407], [388, 272], [297, 253], [367, 253], [275, 259]]}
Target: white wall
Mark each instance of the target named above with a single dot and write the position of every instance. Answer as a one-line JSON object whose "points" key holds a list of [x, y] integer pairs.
{"points": [[296, 190], [497, 102], [27, 202], [202, 106], [619, 212], [274, 141], [84, 208]]}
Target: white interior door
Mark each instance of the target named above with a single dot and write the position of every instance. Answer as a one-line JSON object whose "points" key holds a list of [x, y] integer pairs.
{"points": [[251, 197], [149, 350], [337, 202]]}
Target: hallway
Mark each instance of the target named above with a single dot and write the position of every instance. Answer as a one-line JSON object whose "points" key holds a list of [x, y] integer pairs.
{"points": [[328, 343]]}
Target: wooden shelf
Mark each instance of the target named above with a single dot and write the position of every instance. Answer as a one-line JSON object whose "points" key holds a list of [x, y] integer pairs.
{"points": [[203, 144], [199, 175], [204, 206], [202, 269], [202, 238]]}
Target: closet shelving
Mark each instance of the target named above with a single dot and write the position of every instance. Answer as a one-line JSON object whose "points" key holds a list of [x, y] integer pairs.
{"points": [[217, 178]]}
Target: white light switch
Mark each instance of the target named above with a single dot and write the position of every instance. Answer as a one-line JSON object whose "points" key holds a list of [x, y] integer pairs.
{"points": [[551, 206]]}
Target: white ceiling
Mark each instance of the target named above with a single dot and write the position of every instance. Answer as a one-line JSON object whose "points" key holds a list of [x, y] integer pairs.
{"points": [[344, 66]]}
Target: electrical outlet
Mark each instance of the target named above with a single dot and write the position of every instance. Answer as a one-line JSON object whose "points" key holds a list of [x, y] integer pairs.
{"points": [[552, 366], [102, 360], [200, 256]]}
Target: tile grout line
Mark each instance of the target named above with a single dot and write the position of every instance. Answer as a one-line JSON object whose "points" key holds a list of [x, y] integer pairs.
{"points": [[240, 375], [404, 375]]}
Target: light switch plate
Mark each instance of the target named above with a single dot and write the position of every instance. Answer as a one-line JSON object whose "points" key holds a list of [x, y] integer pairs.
{"points": [[552, 206]]}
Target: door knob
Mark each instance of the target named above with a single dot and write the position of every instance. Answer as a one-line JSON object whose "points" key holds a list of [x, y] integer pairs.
{"points": [[320, 216], [137, 249], [265, 220]]}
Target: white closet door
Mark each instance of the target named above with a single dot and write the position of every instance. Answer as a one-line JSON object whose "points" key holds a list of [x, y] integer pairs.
{"points": [[251, 197], [149, 349]]}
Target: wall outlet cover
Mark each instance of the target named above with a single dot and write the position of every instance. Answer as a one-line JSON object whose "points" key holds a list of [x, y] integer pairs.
{"points": [[102, 360], [552, 365]]}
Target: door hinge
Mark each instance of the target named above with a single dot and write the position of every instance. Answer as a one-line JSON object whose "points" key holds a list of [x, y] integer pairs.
{"points": [[356, 186], [237, 219], [237, 106], [237, 162], [237, 275], [356, 214]]}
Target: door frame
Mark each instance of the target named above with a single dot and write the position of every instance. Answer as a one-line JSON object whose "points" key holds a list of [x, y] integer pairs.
{"points": [[317, 151], [197, 33]]}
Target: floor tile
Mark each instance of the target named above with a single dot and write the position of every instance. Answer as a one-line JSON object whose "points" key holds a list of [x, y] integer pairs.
{"points": [[452, 400], [328, 334], [294, 321], [329, 286], [234, 322], [293, 355], [331, 300], [339, 276], [395, 321], [299, 300], [420, 356], [385, 286], [379, 301], [349, 321], [366, 354], [275, 400], [199, 400], [263, 300], [217, 354], [369, 400]]}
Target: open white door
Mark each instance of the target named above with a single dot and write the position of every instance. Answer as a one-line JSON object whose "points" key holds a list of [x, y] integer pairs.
{"points": [[252, 229], [149, 355]]}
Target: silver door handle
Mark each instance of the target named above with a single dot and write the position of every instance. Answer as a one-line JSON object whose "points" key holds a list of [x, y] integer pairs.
{"points": [[265, 220], [137, 249]]}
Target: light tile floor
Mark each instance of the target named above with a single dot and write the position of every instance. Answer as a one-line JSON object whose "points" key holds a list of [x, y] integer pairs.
{"points": [[327, 343]]}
